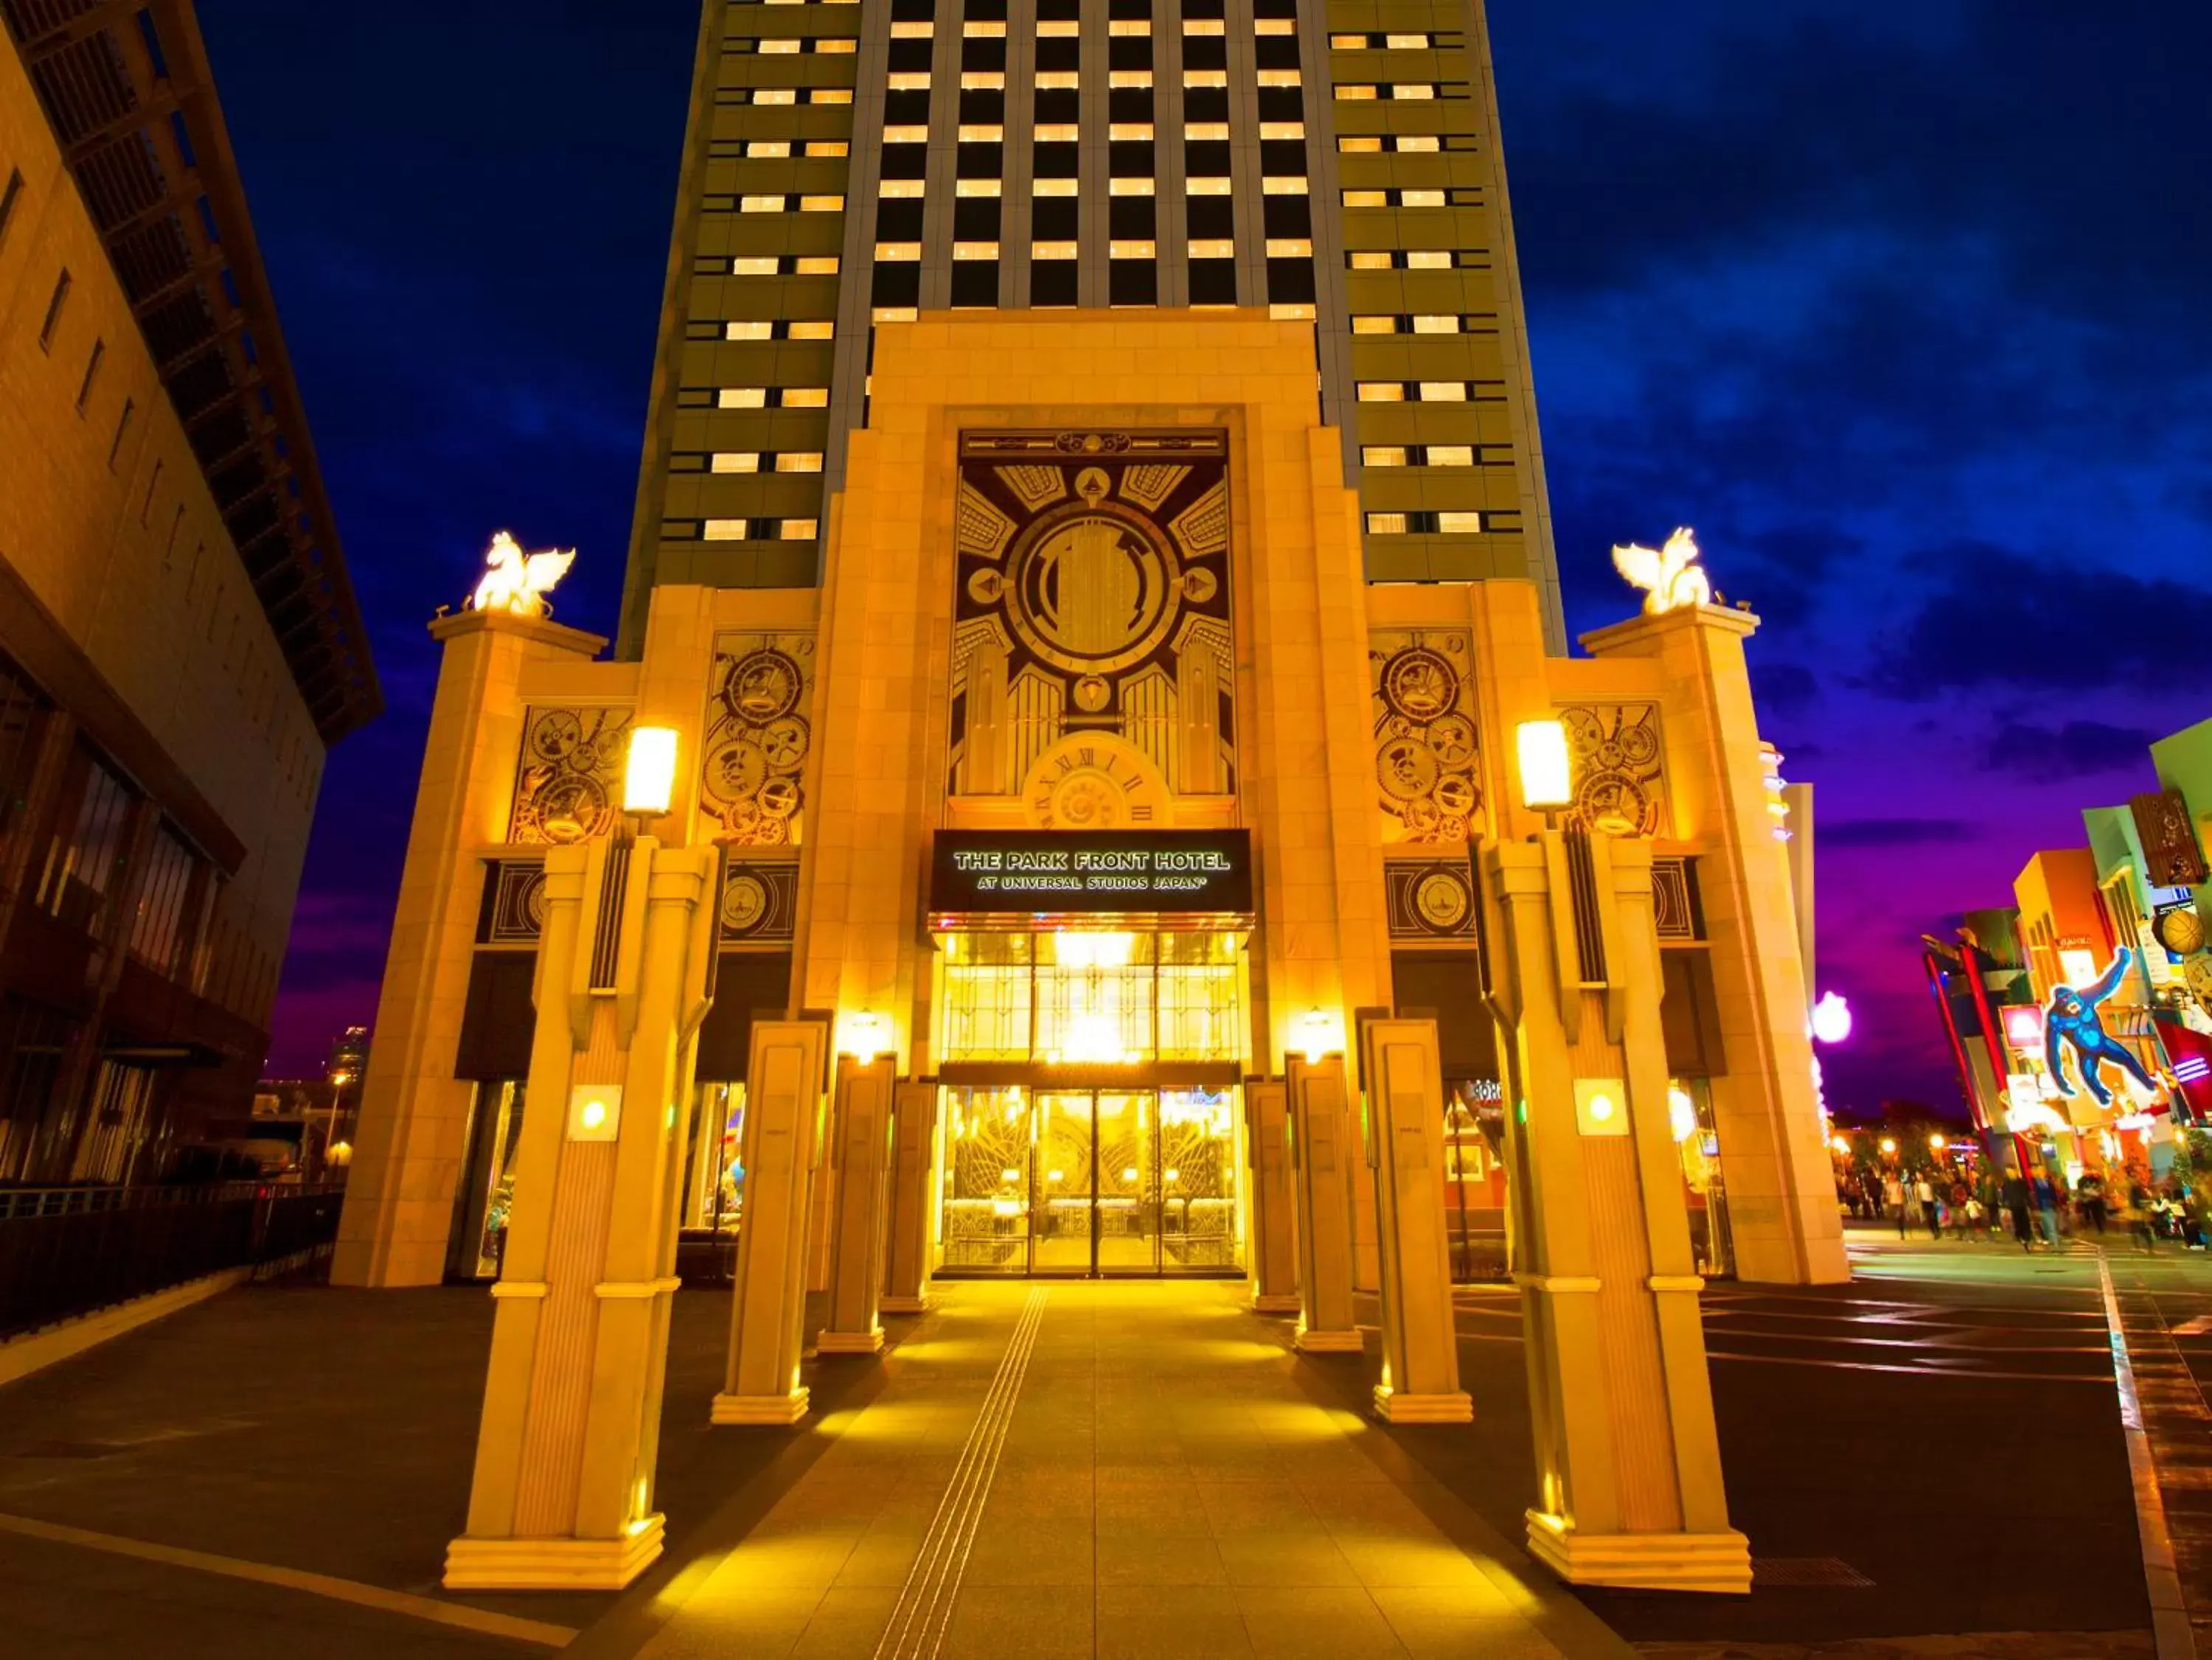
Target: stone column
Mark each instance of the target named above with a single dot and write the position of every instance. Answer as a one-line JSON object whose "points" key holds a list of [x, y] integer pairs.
{"points": [[1620, 1400], [914, 1126], [1325, 1155], [768, 1314], [413, 1119], [1406, 1149], [1781, 1188], [860, 1137], [562, 1493], [1275, 1204]]}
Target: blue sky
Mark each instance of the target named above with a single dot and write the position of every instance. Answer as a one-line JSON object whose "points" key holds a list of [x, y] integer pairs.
{"points": [[1902, 307]]}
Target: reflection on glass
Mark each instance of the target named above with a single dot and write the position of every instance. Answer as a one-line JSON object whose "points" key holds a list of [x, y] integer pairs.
{"points": [[1690, 1104], [985, 1181], [1198, 1179], [1064, 1175], [718, 1167], [502, 1128], [1081, 994], [1128, 1196]]}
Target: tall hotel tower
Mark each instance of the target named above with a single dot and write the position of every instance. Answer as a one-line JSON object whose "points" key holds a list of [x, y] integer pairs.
{"points": [[1335, 161]]}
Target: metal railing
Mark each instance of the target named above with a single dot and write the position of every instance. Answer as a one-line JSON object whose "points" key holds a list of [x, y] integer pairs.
{"points": [[71, 1251]]}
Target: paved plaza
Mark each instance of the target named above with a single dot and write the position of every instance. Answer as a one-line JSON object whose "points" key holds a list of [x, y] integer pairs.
{"points": [[1929, 1461]]}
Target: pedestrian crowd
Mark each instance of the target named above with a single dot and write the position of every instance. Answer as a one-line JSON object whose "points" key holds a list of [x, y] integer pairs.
{"points": [[2035, 1210]]}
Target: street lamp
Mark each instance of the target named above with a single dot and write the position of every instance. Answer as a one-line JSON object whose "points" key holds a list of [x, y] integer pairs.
{"points": [[1937, 1143], [649, 776], [1889, 1146], [1545, 786]]}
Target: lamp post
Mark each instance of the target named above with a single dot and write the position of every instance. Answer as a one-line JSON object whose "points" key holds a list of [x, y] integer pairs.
{"points": [[1547, 782]]}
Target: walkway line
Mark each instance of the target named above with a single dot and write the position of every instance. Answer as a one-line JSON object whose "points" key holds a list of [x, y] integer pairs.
{"points": [[2169, 1613], [918, 1624], [315, 1584]]}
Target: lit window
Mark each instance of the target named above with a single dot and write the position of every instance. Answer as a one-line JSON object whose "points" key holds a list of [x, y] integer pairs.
{"points": [[831, 96], [1372, 260], [982, 135], [743, 397], [1443, 391], [1124, 130], [1282, 130], [1217, 250], [894, 314], [975, 251], [1459, 524], [1418, 144], [1436, 325], [910, 30], [1279, 77], [1274, 26], [1413, 90], [800, 461], [909, 81], [983, 31], [896, 252], [978, 187], [1053, 186], [1059, 30], [727, 529], [777, 48], [1347, 42], [1382, 454], [1352, 95], [1428, 259], [1129, 78], [769, 147], [1290, 247], [736, 461], [821, 204], [1202, 130], [752, 265], [1448, 455], [748, 331], [1405, 42], [818, 264], [1201, 77], [1292, 311], [835, 45], [828, 146], [1386, 524], [1058, 81], [1130, 26], [1355, 145], [1283, 185], [897, 188], [1374, 325], [1202, 26], [982, 80], [816, 330], [1132, 187], [1421, 198], [1052, 251], [774, 95], [1366, 198], [806, 397], [906, 135], [1053, 133], [797, 530], [1129, 249], [1381, 391], [760, 204]]}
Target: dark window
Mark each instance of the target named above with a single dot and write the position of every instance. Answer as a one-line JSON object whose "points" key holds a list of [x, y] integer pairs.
{"points": [[1131, 218], [898, 284], [905, 161], [1205, 104], [1205, 52], [81, 871], [1288, 216], [1056, 160], [1276, 52], [9, 195], [981, 162], [1205, 159], [898, 218], [906, 109], [975, 219], [54, 314], [1130, 159], [23, 720], [976, 282], [1133, 283], [983, 53], [908, 57], [1281, 104], [983, 106], [1058, 54], [91, 375], [1283, 158], [1058, 106], [1213, 282], [1290, 281], [157, 935], [1054, 219], [1210, 218], [1130, 51], [122, 430], [1129, 104], [1052, 283]]}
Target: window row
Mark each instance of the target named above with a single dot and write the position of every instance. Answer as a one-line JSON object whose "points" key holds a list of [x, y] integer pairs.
{"points": [[757, 529], [787, 264], [1417, 322], [782, 328], [1403, 143], [1424, 524], [786, 45], [772, 398], [1418, 392], [773, 203], [779, 96], [1406, 196], [1416, 259], [724, 149], [1372, 41], [1402, 91], [1435, 455]]}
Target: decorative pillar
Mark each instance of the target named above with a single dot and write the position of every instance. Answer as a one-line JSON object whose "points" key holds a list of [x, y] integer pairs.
{"points": [[914, 1126], [1620, 1399], [562, 1493], [860, 1125], [1325, 1155], [1275, 1244], [1406, 1149], [1774, 1158], [768, 1312]]}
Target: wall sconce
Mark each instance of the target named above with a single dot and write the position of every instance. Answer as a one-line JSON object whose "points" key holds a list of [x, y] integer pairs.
{"points": [[1545, 786], [594, 1112], [649, 776], [862, 1036], [1323, 1034], [1601, 1106]]}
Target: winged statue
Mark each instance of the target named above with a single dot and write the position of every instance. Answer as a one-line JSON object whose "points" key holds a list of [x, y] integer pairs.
{"points": [[517, 582], [1670, 577]]}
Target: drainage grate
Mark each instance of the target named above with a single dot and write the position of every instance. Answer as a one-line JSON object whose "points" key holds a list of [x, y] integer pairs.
{"points": [[1827, 1572]]}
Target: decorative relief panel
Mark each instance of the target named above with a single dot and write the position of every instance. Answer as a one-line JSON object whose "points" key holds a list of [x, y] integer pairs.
{"points": [[1092, 665], [1429, 900], [1681, 914], [514, 903], [760, 902], [758, 702], [568, 780], [1425, 734], [1614, 760]]}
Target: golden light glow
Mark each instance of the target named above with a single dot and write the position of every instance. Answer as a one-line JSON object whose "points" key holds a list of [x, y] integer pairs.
{"points": [[1323, 1034], [516, 582], [863, 1035], [649, 776], [1840, 1144], [1888, 1145], [1088, 950], [1670, 577], [1681, 1114], [1938, 1143], [1601, 1108], [1542, 745], [594, 1114]]}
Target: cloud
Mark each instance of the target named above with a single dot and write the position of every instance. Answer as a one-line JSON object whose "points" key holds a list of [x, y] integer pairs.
{"points": [[1896, 833], [2077, 749], [1783, 689], [2002, 619]]}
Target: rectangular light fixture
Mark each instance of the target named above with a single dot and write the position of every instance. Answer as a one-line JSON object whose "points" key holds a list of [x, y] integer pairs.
{"points": [[649, 779], [1543, 751]]}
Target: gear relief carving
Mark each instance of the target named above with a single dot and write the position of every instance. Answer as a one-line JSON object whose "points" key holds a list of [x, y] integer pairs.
{"points": [[568, 776], [1425, 734], [1614, 759], [757, 738]]}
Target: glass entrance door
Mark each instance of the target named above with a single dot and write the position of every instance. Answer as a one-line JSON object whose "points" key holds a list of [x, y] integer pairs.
{"points": [[1064, 1183], [1128, 1183]]}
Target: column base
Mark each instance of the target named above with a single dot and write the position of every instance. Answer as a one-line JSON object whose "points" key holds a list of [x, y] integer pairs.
{"points": [[1310, 1342], [1397, 1407], [1718, 1562], [556, 1564], [1277, 1303], [851, 1342], [905, 1304], [759, 1408]]}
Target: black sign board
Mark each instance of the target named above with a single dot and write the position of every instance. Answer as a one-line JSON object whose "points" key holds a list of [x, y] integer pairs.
{"points": [[1052, 872]]}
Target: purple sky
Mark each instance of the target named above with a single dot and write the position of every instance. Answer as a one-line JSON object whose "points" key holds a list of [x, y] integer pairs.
{"points": [[1901, 307]]}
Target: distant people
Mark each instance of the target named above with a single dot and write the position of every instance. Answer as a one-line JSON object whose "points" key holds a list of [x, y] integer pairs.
{"points": [[1958, 1199], [2046, 1208], [2089, 1199], [1924, 1195], [1893, 1193], [2016, 1198], [2142, 1222]]}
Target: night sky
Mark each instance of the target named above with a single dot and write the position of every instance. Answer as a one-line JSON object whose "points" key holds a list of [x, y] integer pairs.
{"points": [[1904, 307]]}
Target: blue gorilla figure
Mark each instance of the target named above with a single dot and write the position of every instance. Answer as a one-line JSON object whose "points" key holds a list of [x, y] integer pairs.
{"points": [[2072, 1016]]}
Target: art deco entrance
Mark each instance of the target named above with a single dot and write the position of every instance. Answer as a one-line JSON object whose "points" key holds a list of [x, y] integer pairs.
{"points": [[1089, 1181]]}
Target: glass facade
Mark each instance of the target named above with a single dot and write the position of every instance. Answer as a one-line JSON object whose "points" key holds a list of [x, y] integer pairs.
{"points": [[1081, 996]]}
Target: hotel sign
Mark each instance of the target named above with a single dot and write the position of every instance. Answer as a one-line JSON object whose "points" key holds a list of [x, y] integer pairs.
{"points": [[1047, 871]]}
